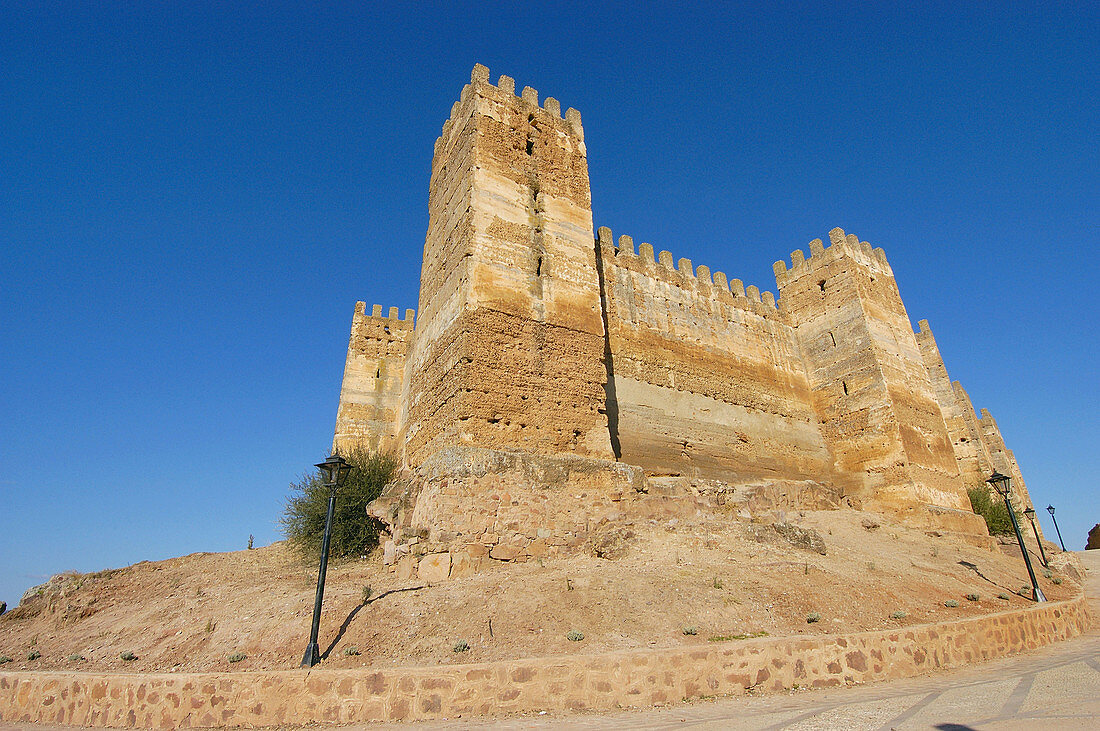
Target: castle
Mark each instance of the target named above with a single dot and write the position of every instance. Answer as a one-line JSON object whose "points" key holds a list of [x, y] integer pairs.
{"points": [[557, 381]]}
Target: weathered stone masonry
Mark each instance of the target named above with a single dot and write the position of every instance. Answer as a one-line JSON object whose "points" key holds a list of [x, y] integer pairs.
{"points": [[558, 380]]}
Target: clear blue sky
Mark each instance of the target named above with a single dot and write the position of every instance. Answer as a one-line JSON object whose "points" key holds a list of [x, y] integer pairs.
{"points": [[193, 197]]}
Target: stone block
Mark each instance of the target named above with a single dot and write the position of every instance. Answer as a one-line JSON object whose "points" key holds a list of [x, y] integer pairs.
{"points": [[406, 568], [505, 552]]}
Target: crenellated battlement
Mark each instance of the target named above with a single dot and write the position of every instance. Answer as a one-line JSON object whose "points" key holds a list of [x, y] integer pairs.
{"points": [[505, 91], [683, 274], [392, 319], [840, 245]]}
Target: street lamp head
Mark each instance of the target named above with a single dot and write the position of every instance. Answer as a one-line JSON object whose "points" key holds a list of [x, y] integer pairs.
{"points": [[1000, 483], [1050, 509], [1029, 513], [336, 469]]}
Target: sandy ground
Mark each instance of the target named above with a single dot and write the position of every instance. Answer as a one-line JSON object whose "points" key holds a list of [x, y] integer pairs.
{"points": [[723, 578]]}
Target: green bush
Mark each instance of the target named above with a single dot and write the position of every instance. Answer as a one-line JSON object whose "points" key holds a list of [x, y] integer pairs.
{"points": [[691, 630], [973, 597], [460, 646], [813, 617], [354, 533], [351, 651], [992, 508], [34, 655], [236, 657], [4, 659], [575, 636], [899, 614], [127, 656], [951, 603]]}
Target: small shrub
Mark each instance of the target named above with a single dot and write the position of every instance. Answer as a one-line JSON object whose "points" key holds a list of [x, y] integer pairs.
{"points": [[691, 630], [899, 615], [717, 583], [354, 533], [813, 617], [34, 655], [460, 646], [992, 508], [236, 657], [972, 597], [4, 659], [75, 657], [1047, 573], [951, 603], [1056, 580], [349, 651], [574, 636], [1003, 595], [367, 591], [1025, 591], [127, 656]]}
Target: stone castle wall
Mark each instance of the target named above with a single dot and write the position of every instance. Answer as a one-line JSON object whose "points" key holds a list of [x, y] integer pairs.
{"points": [[537, 335], [706, 377], [374, 377]]}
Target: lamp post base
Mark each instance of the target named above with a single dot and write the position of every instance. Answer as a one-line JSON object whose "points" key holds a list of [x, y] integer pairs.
{"points": [[1039, 596], [312, 656]]}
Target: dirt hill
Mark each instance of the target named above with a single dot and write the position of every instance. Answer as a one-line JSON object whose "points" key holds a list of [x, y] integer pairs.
{"points": [[676, 583]]}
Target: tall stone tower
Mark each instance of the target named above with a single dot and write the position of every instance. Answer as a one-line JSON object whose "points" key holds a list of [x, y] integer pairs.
{"points": [[869, 384], [509, 340]]}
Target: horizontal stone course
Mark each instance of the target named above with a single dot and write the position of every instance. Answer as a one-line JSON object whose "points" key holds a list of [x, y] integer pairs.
{"points": [[593, 682]]}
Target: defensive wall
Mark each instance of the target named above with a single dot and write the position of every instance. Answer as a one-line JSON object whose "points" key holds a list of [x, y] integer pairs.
{"points": [[543, 342], [569, 683]]}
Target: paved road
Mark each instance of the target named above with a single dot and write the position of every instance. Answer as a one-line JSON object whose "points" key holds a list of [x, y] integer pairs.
{"points": [[1056, 687]]}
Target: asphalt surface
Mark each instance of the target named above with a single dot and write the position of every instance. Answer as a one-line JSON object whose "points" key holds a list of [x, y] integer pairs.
{"points": [[1055, 687]]}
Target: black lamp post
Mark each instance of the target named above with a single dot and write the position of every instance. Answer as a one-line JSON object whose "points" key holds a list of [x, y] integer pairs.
{"points": [[335, 469], [1050, 509], [1029, 513], [1002, 484]]}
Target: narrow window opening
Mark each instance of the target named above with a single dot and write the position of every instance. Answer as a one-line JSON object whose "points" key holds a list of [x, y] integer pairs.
{"points": [[379, 373], [845, 385], [530, 146], [386, 328], [822, 285], [538, 268]]}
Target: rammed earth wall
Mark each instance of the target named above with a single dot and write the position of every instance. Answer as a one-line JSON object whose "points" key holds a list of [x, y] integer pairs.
{"points": [[538, 333], [594, 682]]}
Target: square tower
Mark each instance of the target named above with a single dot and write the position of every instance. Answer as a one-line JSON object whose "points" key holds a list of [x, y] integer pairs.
{"points": [[868, 381], [509, 343]]}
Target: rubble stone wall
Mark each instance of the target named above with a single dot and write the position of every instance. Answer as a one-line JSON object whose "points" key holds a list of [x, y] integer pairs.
{"points": [[568, 683]]}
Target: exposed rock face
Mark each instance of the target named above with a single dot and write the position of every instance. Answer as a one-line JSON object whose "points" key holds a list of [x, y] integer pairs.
{"points": [[538, 334], [1094, 538]]}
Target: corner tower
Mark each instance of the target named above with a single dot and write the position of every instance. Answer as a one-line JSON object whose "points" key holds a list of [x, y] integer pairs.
{"points": [[509, 340], [869, 384]]}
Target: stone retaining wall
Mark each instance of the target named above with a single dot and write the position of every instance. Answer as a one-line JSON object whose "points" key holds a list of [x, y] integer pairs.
{"points": [[594, 682]]}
